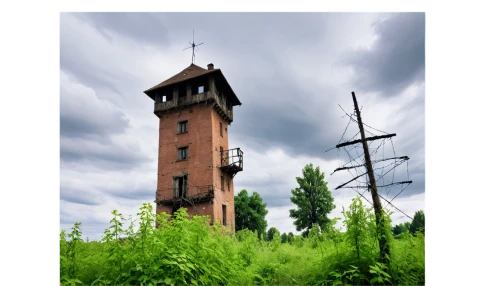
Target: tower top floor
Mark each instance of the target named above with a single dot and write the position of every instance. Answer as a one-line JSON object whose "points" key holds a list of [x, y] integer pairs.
{"points": [[194, 85]]}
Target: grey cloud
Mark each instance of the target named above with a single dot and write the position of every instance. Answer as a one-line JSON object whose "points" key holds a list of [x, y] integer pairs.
{"points": [[140, 27], [83, 113], [93, 231], [72, 126], [274, 193], [78, 196], [397, 57], [143, 192], [88, 58], [276, 114], [102, 155], [167, 28], [87, 126], [91, 74], [277, 201]]}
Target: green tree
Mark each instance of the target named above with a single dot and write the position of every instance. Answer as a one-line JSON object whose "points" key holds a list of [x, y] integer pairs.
{"points": [[291, 237], [284, 238], [418, 222], [397, 229], [313, 199], [271, 232], [406, 225], [250, 212], [400, 228]]}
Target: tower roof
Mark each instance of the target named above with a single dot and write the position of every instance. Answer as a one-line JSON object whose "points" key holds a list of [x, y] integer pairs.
{"points": [[192, 71]]}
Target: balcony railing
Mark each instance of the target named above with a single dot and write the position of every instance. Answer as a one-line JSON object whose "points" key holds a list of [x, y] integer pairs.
{"points": [[181, 101], [220, 106], [195, 195], [231, 161]]}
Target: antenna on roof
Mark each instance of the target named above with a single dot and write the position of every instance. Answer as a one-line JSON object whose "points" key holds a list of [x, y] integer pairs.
{"points": [[193, 46]]}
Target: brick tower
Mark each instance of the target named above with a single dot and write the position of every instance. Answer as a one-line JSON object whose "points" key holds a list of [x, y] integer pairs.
{"points": [[195, 165]]}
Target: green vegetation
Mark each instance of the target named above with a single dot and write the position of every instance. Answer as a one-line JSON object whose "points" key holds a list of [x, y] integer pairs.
{"points": [[250, 212], [400, 228], [182, 251], [416, 225], [271, 233], [313, 199]]}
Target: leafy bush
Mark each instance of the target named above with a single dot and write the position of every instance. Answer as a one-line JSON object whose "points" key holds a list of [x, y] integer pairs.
{"points": [[182, 251]]}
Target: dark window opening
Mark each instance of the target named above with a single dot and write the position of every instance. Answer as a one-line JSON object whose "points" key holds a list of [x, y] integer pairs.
{"points": [[168, 95], [182, 91], [222, 182], [180, 186], [220, 125], [199, 86], [182, 127], [175, 208], [224, 215], [182, 153]]}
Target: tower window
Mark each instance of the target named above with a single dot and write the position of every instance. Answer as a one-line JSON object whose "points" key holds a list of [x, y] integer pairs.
{"points": [[201, 89], [182, 153], [224, 215], [222, 182], [180, 186], [167, 95], [182, 127], [220, 126]]}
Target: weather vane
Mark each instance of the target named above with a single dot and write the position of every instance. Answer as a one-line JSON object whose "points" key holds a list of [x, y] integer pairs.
{"points": [[193, 46]]}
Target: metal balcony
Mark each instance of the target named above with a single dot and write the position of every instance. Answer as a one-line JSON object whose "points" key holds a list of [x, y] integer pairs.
{"points": [[195, 195], [232, 161]]}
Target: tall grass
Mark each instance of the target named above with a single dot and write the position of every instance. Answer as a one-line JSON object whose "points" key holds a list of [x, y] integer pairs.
{"points": [[182, 251]]}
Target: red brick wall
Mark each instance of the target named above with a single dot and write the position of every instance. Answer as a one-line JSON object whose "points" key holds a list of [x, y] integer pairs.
{"points": [[227, 196], [204, 142]]}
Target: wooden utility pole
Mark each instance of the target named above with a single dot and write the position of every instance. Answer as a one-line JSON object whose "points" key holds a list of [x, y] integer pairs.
{"points": [[381, 229]]}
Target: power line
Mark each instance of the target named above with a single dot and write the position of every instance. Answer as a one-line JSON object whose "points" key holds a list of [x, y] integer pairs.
{"points": [[363, 123]]}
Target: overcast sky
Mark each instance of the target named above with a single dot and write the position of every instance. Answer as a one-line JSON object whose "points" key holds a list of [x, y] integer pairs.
{"points": [[290, 71]]}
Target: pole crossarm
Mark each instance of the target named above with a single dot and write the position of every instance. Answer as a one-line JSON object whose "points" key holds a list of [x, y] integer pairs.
{"points": [[404, 158], [398, 183], [368, 186], [350, 181], [366, 139]]}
